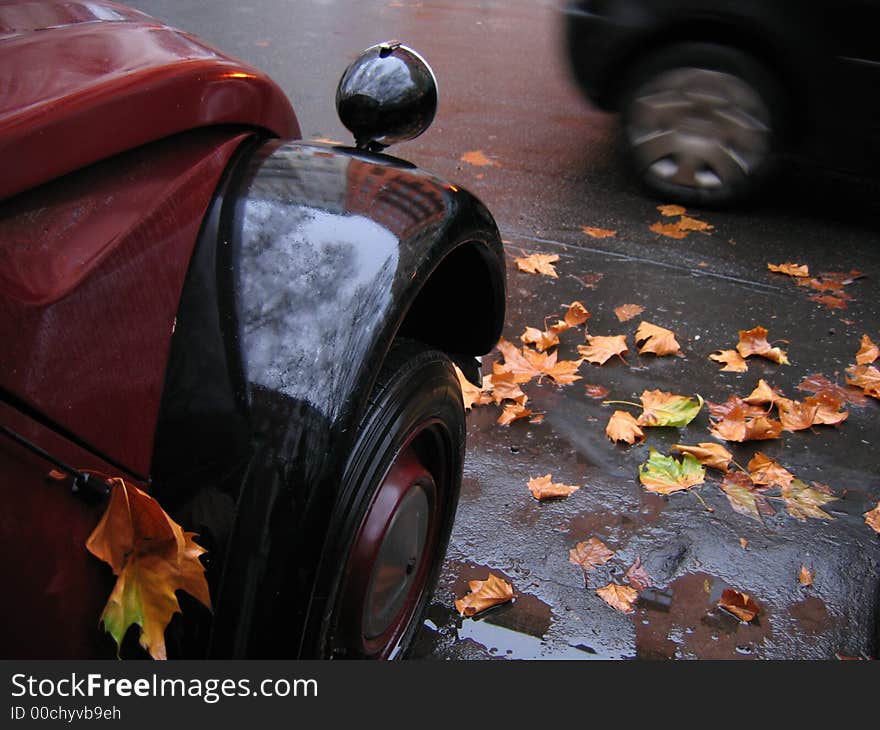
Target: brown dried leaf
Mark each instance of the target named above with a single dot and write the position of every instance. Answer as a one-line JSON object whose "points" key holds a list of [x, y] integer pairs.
{"points": [[796, 416], [671, 210], [576, 314], [872, 518], [618, 597], [739, 604], [832, 301], [478, 159], [503, 385], [868, 352], [707, 453], [744, 497], [754, 342], [598, 232], [590, 553], [623, 427], [596, 391], [538, 263], [733, 361], [515, 362], [637, 576], [542, 340], [513, 412], [600, 349], [805, 576], [626, 312], [795, 270], [866, 377], [687, 223], [768, 473], [828, 411], [470, 393], [763, 394], [802, 501], [484, 594], [735, 426], [670, 230], [657, 340], [733, 402], [819, 384], [561, 371], [544, 488]]}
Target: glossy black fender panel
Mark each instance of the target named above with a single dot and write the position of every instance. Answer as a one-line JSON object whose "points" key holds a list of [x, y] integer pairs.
{"points": [[311, 261]]}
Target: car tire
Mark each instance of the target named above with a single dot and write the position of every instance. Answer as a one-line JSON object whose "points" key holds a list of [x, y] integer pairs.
{"points": [[701, 123], [395, 510]]}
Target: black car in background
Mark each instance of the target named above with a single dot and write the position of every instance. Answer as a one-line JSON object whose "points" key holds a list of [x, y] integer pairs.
{"points": [[713, 93]]}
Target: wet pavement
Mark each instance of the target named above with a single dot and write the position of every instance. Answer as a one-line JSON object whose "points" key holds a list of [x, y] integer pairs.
{"points": [[553, 169]]}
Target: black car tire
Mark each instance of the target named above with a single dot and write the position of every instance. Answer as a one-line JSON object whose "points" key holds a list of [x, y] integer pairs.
{"points": [[701, 123], [395, 510]]}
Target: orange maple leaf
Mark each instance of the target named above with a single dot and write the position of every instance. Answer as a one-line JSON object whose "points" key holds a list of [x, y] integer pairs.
{"points": [[626, 312], [623, 427], [734, 402], [744, 496], [516, 363], [513, 412], [600, 349], [739, 604], [868, 351], [484, 594], [544, 488], [736, 426], [561, 371], [470, 393], [598, 232], [707, 453], [763, 394], [618, 597], [671, 210], [590, 553], [657, 340], [820, 385], [828, 411], [538, 263], [503, 385], [795, 270], [733, 361], [766, 472], [754, 342], [152, 558], [805, 576], [670, 230], [872, 518], [478, 159], [796, 416], [576, 314], [541, 339], [866, 377]]}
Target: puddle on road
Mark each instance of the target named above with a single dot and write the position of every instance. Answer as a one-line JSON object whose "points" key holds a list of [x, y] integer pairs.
{"points": [[692, 625]]}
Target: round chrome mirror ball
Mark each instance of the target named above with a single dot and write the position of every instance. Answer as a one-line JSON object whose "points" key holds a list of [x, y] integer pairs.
{"points": [[387, 95]]}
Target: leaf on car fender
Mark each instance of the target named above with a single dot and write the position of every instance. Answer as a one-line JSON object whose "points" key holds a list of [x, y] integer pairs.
{"points": [[623, 427], [665, 474], [618, 597], [544, 488], [538, 263], [152, 558], [665, 409], [740, 604], [707, 453], [600, 349], [483, 595], [657, 340]]}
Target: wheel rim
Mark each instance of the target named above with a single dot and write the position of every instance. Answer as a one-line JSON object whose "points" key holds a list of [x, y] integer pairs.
{"points": [[700, 129], [390, 560]]}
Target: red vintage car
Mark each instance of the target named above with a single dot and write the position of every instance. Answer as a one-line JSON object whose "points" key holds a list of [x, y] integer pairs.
{"points": [[259, 332]]}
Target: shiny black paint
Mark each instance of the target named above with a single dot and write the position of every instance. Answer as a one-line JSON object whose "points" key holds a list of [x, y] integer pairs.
{"points": [[311, 261]]}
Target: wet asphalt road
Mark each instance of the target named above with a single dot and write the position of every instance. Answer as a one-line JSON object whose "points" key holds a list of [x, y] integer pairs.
{"points": [[505, 92]]}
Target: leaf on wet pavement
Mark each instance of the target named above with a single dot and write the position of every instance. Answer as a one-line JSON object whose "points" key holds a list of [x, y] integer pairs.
{"points": [[665, 474], [795, 415], [805, 576], [484, 594], [671, 211], [754, 342], [538, 263], [767, 472], [670, 230], [738, 427], [502, 385], [832, 301], [665, 409], [478, 158], [618, 597], [595, 391], [795, 270], [707, 453], [544, 488], [734, 402], [657, 340], [637, 576], [590, 554], [623, 427], [744, 497], [516, 363], [513, 412], [576, 314], [681, 228], [828, 411], [598, 232], [563, 372], [802, 501], [541, 339], [763, 394], [687, 223], [868, 351], [866, 377], [872, 518], [740, 604], [470, 393], [733, 361], [626, 312], [819, 384], [599, 349]]}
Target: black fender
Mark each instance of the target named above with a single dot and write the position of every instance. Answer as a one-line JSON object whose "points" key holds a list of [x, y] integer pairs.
{"points": [[311, 260]]}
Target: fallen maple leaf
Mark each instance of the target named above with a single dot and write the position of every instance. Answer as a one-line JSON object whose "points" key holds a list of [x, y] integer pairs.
{"points": [[805, 576], [795, 270], [598, 232], [623, 427], [618, 597], [590, 553], [538, 263], [819, 384], [796, 416], [743, 543], [739, 604], [503, 385], [832, 301], [515, 362], [872, 518], [637, 576], [744, 497], [513, 412], [686, 223], [544, 488], [868, 351], [561, 371], [626, 312], [763, 394], [484, 594], [665, 475], [478, 159], [152, 558], [670, 230], [470, 393], [665, 409], [828, 411], [768, 473], [671, 210], [754, 342], [866, 377], [600, 349], [596, 391], [802, 501], [541, 339], [707, 453], [576, 314], [734, 402], [657, 340], [736, 426], [733, 361]]}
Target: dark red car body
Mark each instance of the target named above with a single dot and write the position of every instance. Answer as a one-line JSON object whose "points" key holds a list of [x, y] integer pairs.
{"points": [[118, 136]]}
